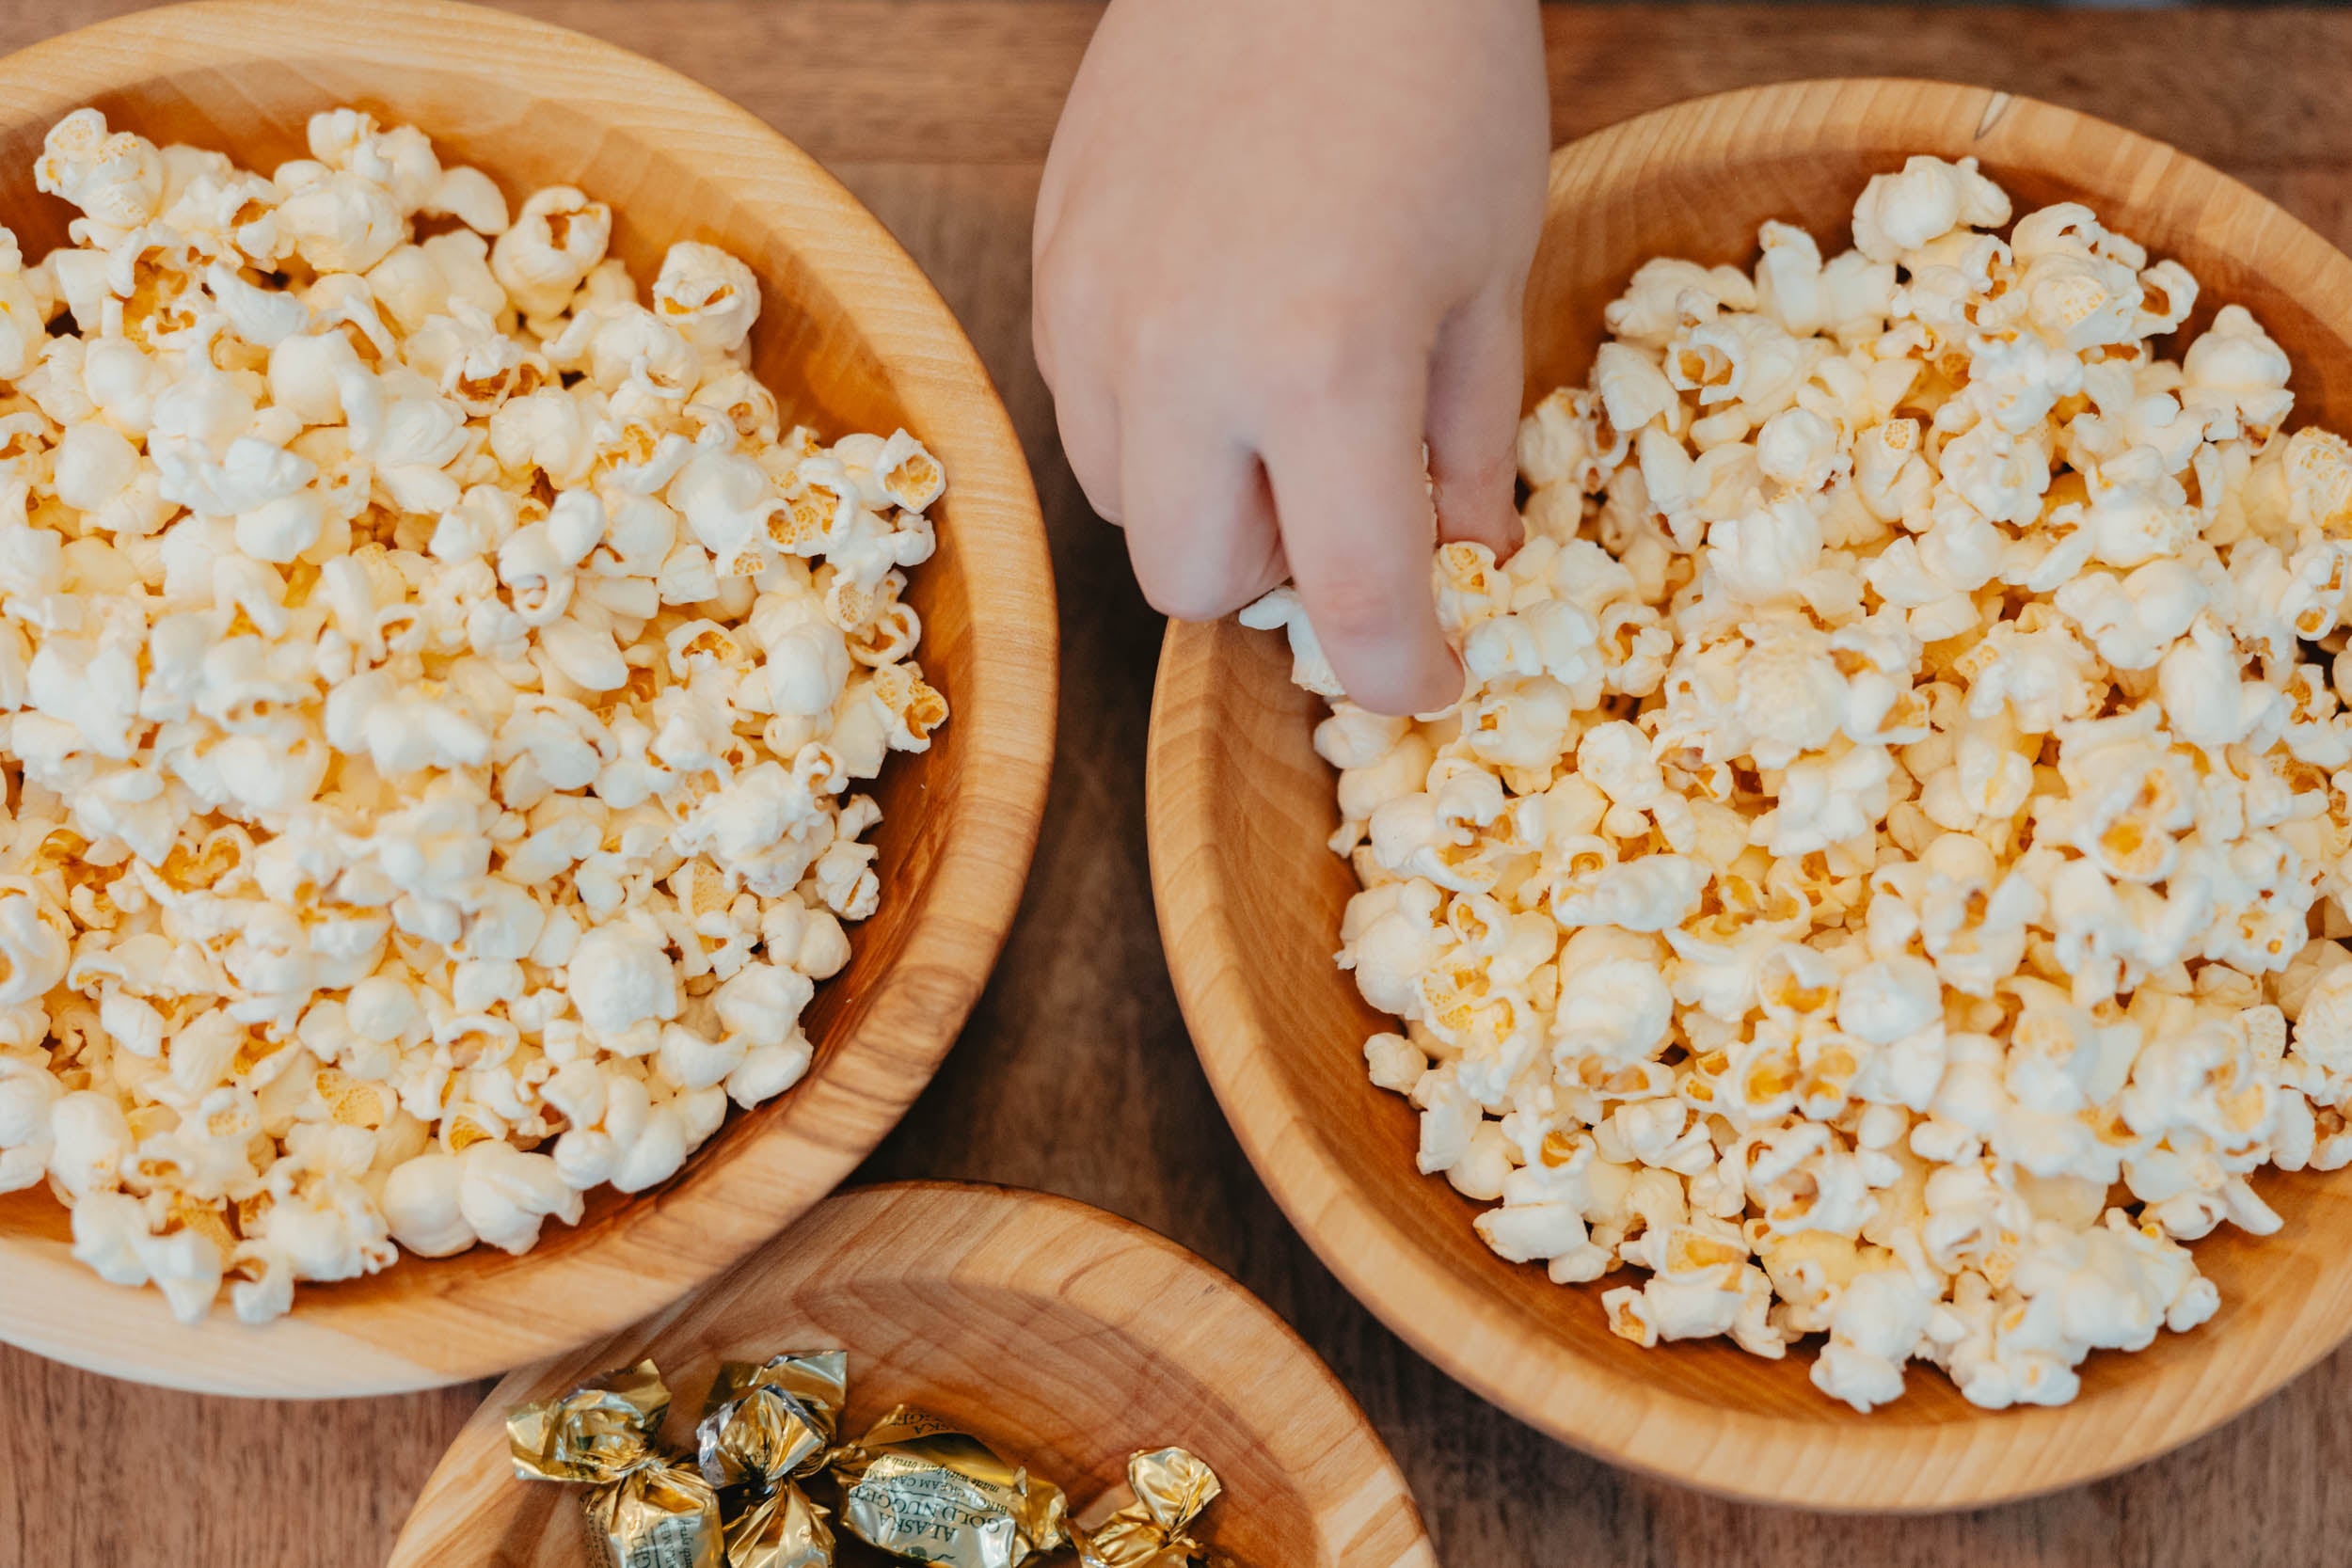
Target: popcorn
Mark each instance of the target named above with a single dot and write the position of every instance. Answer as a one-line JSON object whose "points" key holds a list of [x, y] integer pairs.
{"points": [[707, 295], [1900, 213], [340, 221], [1893, 796], [2235, 379], [556, 241], [434, 681], [1879, 1322], [117, 179]]}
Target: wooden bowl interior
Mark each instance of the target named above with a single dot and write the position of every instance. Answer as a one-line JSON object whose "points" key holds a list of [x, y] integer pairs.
{"points": [[1066, 1337], [1251, 899], [532, 106]]}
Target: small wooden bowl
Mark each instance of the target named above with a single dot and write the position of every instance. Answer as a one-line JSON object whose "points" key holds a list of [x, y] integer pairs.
{"points": [[1067, 1336], [1249, 899], [851, 336]]}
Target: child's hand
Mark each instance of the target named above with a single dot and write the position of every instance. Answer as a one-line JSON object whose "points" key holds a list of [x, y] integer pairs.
{"points": [[1281, 243]]}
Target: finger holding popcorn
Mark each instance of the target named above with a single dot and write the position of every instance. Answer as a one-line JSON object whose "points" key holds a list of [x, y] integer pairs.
{"points": [[1294, 237], [1472, 422], [1352, 493]]}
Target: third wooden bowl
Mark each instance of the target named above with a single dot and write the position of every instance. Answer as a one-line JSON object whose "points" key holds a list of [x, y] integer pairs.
{"points": [[1064, 1335], [1249, 899], [851, 336]]}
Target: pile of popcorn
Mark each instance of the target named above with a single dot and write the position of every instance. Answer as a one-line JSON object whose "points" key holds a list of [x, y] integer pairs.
{"points": [[1878, 880], [432, 681]]}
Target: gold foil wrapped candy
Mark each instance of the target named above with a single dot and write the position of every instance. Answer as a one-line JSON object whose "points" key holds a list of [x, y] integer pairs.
{"points": [[767, 1425], [772, 1421], [914, 1485], [783, 1529], [1170, 1488], [922, 1489], [644, 1509]]}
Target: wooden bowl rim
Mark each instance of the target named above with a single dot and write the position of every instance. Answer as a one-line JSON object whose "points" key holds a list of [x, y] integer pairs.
{"points": [[1862, 1466], [1226, 1312], [738, 1193]]}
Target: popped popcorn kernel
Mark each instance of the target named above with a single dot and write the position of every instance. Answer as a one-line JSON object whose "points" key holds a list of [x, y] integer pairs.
{"points": [[1883, 878], [434, 684]]}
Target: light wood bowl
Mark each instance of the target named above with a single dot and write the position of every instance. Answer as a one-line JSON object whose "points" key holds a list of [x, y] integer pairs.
{"points": [[1067, 1337], [1249, 899], [851, 336]]}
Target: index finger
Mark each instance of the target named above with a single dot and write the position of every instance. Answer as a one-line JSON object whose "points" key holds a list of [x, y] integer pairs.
{"points": [[1352, 497]]}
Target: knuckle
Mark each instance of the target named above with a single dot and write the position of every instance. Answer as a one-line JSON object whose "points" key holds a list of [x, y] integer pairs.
{"points": [[1091, 466], [1166, 339], [1069, 304], [1060, 281], [1333, 340], [1301, 363]]}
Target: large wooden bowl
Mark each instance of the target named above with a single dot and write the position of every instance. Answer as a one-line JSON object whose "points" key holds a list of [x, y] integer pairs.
{"points": [[852, 338], [1067, 1337], [1249, 900]]}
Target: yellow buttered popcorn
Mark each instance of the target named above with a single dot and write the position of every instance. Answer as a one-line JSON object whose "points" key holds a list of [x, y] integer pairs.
{"points": [[1867, 886], [435, 686]]}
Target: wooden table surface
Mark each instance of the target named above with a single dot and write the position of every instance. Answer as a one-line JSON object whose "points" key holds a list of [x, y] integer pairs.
{"points": [[1075, 1074]]}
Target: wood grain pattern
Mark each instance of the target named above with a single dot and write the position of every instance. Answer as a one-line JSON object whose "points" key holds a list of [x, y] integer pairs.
{"points": [[1074, 1072], [960, 82], [852, 338], [1240, 808], [1067, 1338]]}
